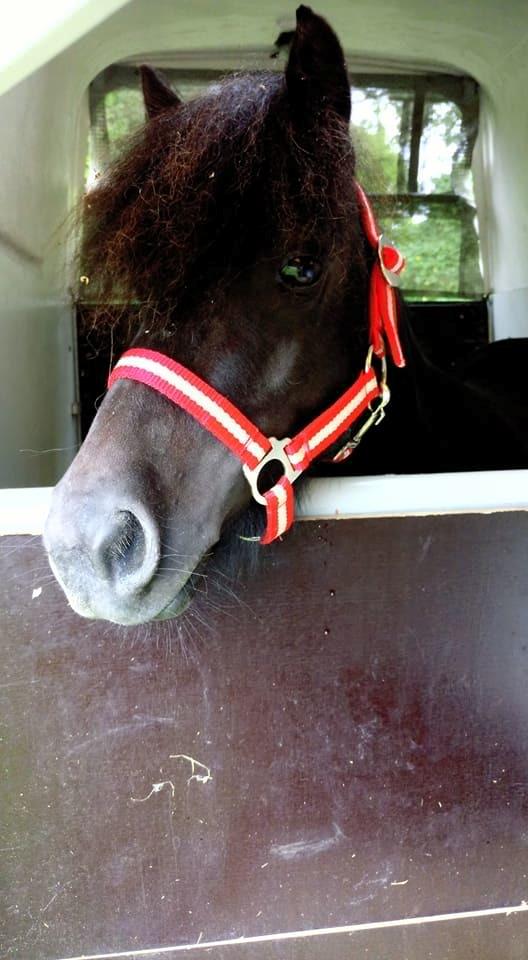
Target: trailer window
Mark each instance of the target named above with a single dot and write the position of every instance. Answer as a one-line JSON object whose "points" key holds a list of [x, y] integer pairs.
{"points": [[415, 139]]}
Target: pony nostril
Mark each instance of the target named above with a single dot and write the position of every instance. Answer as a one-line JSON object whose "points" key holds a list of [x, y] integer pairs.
{"points": [[125, 552], [124, 549]]}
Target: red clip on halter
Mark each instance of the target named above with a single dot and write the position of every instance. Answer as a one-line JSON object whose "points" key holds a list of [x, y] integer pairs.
{"points": [[221, 418]]}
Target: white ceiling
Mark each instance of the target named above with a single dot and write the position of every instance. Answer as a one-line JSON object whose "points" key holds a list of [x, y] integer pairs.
{"points": [[480, 37]]}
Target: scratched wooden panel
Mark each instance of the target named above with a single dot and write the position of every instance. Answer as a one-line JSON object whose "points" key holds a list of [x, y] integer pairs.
{"points": [[362, 712], [496, 938]]}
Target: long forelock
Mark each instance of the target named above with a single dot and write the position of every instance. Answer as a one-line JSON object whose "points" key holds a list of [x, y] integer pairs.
{"points": [[202, 186]]}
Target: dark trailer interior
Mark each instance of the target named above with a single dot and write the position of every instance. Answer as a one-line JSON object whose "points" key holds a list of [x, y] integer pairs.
{"points": [[326, 759]]}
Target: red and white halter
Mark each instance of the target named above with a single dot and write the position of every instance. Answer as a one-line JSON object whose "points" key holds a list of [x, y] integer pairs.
{"points": [[229, 425]]}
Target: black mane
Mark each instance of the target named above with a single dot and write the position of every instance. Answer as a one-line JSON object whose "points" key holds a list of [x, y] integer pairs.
{"points": [[206, 187]]}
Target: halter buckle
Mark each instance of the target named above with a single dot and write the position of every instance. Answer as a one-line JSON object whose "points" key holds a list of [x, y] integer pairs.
{"points": [[277, 453]]}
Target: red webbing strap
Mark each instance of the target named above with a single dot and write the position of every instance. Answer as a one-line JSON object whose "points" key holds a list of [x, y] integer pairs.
{"points": [[383, 307], [280, 510], [322, 432], [187, 390], [366, 215]]}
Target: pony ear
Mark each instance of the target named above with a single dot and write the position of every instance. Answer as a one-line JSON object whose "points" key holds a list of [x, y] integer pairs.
{"points": [[157, 92], [316, 75]]}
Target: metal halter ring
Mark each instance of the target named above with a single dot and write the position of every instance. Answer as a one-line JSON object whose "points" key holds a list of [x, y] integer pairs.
{"points": [[277, 453]]}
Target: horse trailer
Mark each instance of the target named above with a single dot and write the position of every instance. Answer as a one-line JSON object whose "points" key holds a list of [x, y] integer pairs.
{"points": [[310, 746]]}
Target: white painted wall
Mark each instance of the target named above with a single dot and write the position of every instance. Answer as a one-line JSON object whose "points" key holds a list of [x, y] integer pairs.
{"points": [[36, 359], [43, 127]]}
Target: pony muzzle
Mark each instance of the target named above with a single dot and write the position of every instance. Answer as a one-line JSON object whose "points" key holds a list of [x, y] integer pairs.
{"points": [[104, 554]]}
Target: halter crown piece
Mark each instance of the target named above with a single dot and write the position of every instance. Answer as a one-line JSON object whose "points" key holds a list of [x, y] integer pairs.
{"points": [[229, 425]]}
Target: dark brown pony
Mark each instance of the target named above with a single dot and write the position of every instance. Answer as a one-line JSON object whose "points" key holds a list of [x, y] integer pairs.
{"points": [[231, 229]]}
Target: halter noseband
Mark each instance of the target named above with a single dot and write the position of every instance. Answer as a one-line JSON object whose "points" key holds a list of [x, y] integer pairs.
{"points": [[229, 425]]}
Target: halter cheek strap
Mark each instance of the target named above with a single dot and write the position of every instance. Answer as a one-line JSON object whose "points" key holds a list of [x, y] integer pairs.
{"points": [[232, 428]]}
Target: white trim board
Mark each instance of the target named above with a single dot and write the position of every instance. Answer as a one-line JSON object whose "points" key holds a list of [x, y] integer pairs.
{"points": [[23, 511], [490, 491], [509, 313]]}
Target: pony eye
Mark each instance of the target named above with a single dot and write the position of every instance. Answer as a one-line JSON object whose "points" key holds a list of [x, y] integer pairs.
{"points": [[300, 272]]}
